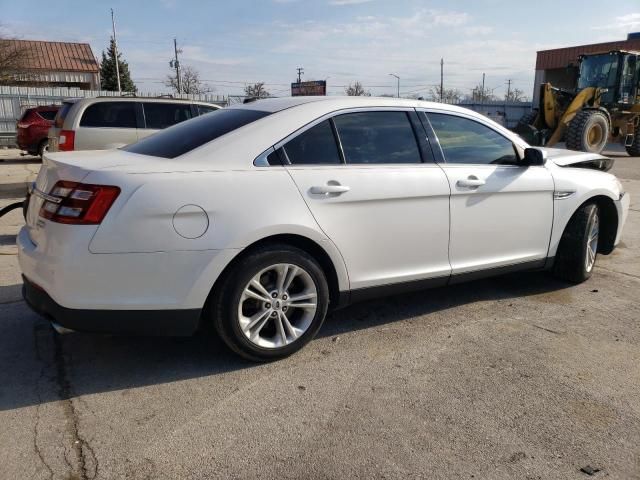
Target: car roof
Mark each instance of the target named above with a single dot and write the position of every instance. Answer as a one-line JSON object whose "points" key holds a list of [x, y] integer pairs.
{"points": [[273, 105], [138, 99]]}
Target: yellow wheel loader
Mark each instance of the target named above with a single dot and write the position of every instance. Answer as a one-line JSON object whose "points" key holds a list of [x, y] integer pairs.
{"points": [[605, 107]]}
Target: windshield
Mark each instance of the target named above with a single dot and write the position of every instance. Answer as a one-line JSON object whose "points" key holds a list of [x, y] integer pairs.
{"points": [[598, 71]]}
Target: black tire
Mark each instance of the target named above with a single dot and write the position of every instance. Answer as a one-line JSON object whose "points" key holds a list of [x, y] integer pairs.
{"points": [[227, 297], [527, 119], [634, 149], [588, 131], [571, 257], [42, 146]]}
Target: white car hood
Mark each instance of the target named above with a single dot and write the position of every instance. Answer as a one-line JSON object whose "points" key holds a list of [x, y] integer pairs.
{"points": [[571, 158]]}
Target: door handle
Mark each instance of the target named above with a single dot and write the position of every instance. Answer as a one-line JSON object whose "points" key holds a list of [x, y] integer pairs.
{"points": [[329, 189], [470, 182]]}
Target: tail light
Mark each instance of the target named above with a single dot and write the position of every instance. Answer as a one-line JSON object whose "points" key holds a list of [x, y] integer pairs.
{"points": [[66, 139], [78, 203]]}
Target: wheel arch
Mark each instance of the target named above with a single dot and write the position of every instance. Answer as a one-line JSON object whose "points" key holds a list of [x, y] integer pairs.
{"points": [[332, 272], [608, 221]]}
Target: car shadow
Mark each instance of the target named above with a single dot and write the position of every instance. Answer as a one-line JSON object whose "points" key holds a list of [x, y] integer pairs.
{"points": [[102, 363]]}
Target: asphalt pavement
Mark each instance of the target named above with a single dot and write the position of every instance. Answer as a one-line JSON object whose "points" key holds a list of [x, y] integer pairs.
{"points": [[520, 376]]}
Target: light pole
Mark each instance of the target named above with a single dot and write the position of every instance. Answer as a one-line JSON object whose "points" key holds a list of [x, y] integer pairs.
{"points": [[397, 78]]}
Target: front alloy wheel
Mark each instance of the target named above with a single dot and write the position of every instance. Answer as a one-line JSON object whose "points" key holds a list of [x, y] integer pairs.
{"points": [[578, 249], [271, 303], [593, 229]]}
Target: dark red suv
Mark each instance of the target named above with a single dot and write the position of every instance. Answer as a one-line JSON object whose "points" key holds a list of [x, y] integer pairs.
{"points": [[33, 127]]}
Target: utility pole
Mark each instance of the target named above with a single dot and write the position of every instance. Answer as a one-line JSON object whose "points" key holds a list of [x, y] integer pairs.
{"points": [[441, 79], [508, 89], [115, 52], [300, 72], [482, 94], [398, 79], [176, 64]]}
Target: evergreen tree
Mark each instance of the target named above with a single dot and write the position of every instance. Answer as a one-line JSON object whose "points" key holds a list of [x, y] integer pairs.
{"points": [[108, 78]]}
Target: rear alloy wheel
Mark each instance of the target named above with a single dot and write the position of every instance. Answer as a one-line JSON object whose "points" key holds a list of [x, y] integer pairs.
{"points": [[578, 247], [588, 131], [271, 304]]}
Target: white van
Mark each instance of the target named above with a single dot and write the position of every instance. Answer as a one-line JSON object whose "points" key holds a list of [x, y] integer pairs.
{"points": [[111, 122]]}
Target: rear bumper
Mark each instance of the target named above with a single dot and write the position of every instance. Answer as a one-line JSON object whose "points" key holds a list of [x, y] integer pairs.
{"points": [[133, 322]]}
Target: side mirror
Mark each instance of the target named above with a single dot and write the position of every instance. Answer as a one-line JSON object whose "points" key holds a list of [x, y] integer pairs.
{"points": [[533, 157]]}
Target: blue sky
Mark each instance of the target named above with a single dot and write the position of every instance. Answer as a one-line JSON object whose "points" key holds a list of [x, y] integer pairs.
{"points": [[232, 43]]}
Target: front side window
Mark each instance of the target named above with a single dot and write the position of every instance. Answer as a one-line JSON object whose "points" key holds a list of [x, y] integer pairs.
{"points": [[110, 115], [315, 146], [162, 115], [186, 136], [466, 141]]}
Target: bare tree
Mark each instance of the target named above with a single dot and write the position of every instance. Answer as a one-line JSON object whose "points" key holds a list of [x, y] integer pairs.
{"points": [[357, 90], [14, 61], [449, 95], [189, 81], [256, 90], [480, 94], [515, 95]]}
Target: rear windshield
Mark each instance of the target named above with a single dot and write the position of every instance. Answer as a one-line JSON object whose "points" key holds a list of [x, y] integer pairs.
{"points": [[48, 114], [186, 136], [62, 113]]}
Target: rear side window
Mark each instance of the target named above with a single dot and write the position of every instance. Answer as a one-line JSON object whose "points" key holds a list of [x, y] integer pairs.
{"points": [[466, 141], [48, 114], [315, 146], [202, 109], [163, 115], [110, 115], [377, 137], [186, 136], [62, 114]]}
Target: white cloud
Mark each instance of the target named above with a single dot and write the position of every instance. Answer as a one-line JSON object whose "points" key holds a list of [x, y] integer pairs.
{"points": [[348, 2]]}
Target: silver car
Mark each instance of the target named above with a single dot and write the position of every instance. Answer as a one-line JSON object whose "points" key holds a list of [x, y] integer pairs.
{"points": [[111, 122]]}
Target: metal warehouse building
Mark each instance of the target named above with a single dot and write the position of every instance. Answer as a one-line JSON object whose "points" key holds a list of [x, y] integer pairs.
{"points": [[57, 64], [560, 65]]}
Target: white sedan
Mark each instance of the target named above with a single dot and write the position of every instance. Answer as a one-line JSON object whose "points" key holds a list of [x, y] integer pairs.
{"points": [[261, 218]]}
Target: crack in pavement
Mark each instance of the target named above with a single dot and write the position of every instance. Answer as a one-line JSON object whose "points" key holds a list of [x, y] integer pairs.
{"points": [[84, 453]]}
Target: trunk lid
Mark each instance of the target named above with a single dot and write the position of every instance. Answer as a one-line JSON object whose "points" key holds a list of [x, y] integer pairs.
{"points": [[71, 166]]}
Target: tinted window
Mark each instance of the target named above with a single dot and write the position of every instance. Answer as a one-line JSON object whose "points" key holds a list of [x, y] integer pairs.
{"points": [[186, 136], [314, 146], [48, 114], [163, 115], [202, 109], [377, 137], [110, 114], [466, 141]]}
